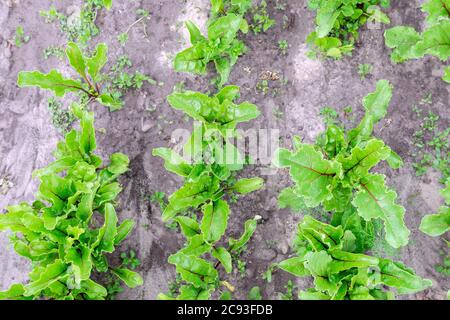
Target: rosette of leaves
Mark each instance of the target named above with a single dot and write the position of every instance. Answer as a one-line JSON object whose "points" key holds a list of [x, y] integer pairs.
{"points": [[221, 46], [338, 23], [335, 172], [408, 44], [329, 254], [437, 224], [72, 225], [88, 85], [209, 181]]}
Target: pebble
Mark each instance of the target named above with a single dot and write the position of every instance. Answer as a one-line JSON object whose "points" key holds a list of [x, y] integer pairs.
{"points": [[283, 247], [7, 52]]}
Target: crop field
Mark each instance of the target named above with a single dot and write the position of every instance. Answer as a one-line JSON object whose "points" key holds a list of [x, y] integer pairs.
{"points": [[225, 149]]}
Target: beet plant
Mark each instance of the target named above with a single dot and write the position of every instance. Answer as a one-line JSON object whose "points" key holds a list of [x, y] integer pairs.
{"points": [[221, 46], [72, 225], [338, 23], [408, 44], [88, 85], [331, 255], [209, 181], [335, 172]]}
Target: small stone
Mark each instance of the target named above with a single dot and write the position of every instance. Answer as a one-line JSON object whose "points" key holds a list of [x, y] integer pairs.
{"points": [[7, 53], [283, 247]]}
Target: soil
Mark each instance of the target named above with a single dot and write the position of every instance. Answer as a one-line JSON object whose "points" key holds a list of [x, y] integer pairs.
{"points": [[27, 136]]}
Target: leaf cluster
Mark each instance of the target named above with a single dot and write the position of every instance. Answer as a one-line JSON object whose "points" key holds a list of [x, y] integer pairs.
{"points": [[208, 181], [88, 69], [340, 272], [335, 172], [221, 45], [407, 43], [72, 224], [338, 23]]}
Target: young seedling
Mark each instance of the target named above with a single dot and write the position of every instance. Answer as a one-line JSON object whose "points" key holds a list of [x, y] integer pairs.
{"points": [[261, 19], [221, 47], [283, 46], [20, 37], [364, 70], [208, 180], [338, 23], [88, 85], [61, 117], [82, 29], [58, 232]]}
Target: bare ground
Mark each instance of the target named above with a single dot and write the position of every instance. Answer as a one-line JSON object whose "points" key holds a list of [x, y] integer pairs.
{"points": [[27, 137]]}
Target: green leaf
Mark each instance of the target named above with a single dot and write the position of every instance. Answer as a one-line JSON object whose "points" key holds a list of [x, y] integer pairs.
{"points": [[215, 220], [446, 76], [188, 226], [108, 231], [173, 162], [193, 293], [194, 32], [376, 105], [436, 41], [403, 40], [80, 260], [225, 28], [374, 200], [394, 160], [436, 224], [191, 60], [196, 246], [107, 100], [295, 266], [312, 173], [436, 10], [53, 81], [96, 63], [288, 198], [93, 290], [361, 160], [52, 273], [191, 195], [76, 59], [15, 292], [123, 231], [244, 186], [194, 270], [88, 142], [255, 294], [396, 275], [377, 15], [224, 257], [130, 278], [107, 4], [327, 15], [445, 193], [249, 229], [377, 102]]}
